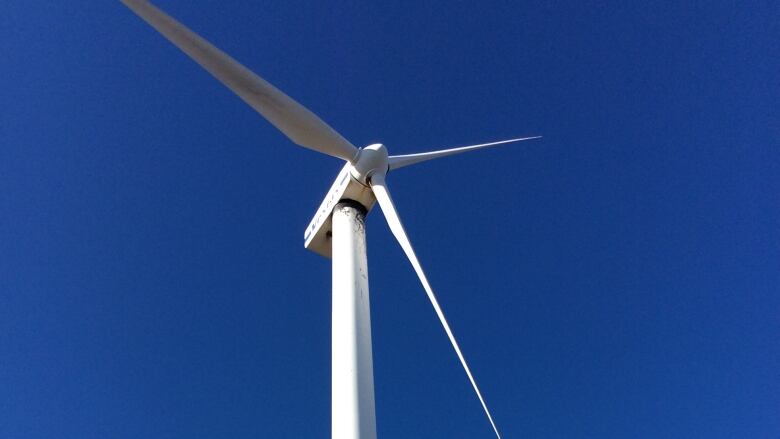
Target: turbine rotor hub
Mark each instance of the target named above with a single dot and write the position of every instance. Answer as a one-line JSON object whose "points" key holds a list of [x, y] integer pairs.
{"points": [[371, 159]]}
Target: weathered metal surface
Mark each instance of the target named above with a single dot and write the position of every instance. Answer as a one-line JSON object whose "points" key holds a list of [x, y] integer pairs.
{"points": [[352, 369], [317, 236]]}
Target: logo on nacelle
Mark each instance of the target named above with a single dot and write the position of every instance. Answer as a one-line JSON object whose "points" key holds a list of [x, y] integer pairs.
{"points": [[327, 205]]}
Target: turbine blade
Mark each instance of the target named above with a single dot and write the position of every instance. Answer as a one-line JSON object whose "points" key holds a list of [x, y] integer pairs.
{"points": [[298, 123], [393, 220], [399, 161]]}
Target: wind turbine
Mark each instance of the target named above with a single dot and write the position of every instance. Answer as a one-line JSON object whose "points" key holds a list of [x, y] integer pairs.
{"points": [[337, 229]]}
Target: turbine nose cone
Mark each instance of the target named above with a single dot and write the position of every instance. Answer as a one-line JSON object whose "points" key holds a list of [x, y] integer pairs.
{"points": [[377, 147], [371, 159]]}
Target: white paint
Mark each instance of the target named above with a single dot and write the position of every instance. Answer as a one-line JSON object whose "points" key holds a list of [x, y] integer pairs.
{"points": [[293, 119], [352, 369], [352, 376], [394, 221], [399, 161], [371, 159], [317, 235]]}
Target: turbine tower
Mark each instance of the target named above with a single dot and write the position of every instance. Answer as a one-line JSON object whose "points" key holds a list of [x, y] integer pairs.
{"points": [[337, 230]]}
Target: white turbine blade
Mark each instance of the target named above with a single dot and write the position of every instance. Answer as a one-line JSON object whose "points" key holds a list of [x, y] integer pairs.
{"points": [[399, 161], [298, 123], [391, 215]]}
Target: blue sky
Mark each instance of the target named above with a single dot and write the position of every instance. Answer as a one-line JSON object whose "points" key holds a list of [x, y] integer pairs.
{"points": [[619, 278]]}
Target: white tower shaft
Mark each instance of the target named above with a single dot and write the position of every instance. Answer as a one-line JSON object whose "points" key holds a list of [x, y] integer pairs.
{"points": [[352, 369]]}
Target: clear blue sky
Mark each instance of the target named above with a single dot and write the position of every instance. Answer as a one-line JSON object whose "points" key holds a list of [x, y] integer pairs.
{"points": [[619, 278]]}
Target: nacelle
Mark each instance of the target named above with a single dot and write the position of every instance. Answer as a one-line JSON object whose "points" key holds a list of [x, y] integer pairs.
{"points": [[317, 236]]}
